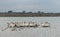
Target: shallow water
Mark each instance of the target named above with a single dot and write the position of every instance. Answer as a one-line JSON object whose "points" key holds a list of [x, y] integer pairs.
{"points": [[53, 31]]}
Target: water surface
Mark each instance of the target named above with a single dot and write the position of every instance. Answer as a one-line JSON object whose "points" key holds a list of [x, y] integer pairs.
{"points": [[53, 31]]}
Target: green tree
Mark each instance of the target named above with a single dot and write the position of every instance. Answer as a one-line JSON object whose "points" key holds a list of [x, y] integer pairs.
{"points": [[10, 11], [38, 11], [23, 12]]}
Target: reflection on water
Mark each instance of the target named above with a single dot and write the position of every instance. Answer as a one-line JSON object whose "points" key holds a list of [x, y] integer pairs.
{"points": [[53, 31]]}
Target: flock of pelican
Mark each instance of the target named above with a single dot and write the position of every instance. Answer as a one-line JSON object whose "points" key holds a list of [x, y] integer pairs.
{"points": [[21, 25]]}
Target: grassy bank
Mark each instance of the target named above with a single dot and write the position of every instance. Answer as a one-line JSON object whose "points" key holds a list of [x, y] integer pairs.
{"points": [[29, 14]]}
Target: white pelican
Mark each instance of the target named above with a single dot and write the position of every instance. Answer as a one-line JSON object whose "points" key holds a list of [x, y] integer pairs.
{"points": [[45, 24]]}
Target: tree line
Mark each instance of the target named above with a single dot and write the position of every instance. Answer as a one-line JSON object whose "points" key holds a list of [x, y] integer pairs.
{"points": [[24, 12]]}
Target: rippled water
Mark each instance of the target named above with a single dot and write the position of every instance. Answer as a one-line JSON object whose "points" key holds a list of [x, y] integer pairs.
{"points": [[53, 31]]}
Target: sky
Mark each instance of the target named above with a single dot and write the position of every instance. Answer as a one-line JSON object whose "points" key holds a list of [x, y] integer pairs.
{"points": [[30, 5]]}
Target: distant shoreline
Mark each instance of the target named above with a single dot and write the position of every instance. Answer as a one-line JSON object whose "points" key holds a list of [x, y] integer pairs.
{"points": [[29, 14]]}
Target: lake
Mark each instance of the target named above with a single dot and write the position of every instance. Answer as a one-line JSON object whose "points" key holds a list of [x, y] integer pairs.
{"points": [[53, 31]]}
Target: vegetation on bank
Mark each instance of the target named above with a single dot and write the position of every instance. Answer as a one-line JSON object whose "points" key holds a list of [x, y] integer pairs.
{"points": [[27, 14]]}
